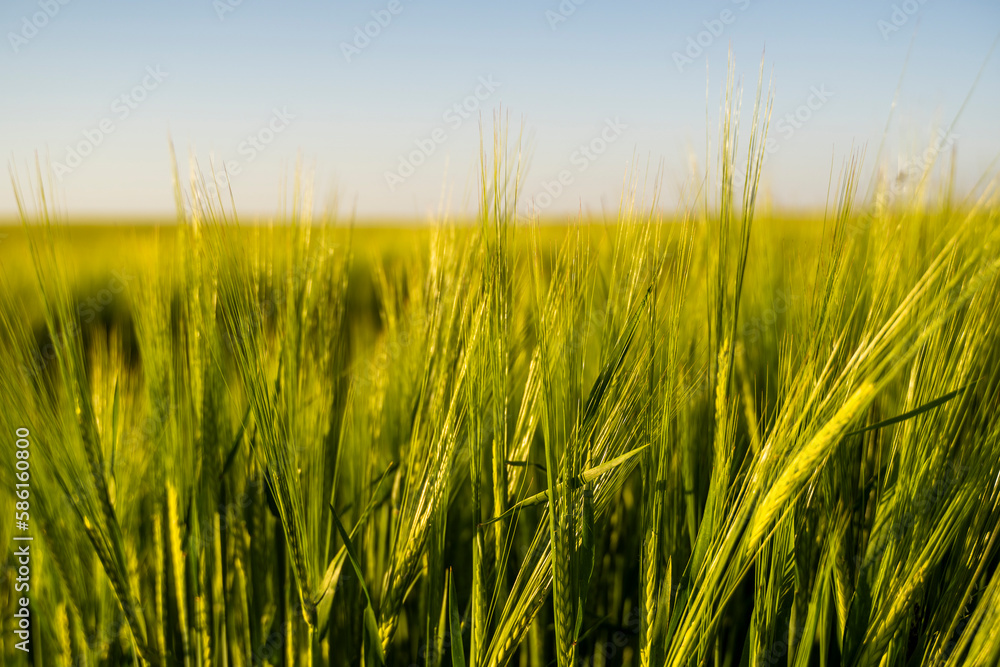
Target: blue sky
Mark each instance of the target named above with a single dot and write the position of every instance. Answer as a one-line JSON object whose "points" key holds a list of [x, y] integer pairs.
{"points": [[601, 88]]}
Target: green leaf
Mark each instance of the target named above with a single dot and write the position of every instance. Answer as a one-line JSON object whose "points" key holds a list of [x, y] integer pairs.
{"points": [[455, 626], [372, 639], [231, 456], [324, 599], [586, 556], [587, 477], [914, 412], [114, 429]]}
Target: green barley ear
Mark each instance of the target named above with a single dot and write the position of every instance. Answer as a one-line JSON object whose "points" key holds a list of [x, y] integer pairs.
{"points": [[62, 631], [203, 630], [159, 594], [805, 463], [178, 570], [585, 552]]}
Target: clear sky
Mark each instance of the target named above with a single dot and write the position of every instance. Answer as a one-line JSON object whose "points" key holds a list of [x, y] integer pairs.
{"points": [[601, 88]]}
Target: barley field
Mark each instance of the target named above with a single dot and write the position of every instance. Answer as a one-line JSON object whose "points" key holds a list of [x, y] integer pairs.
{"points": [[727, 437]]}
